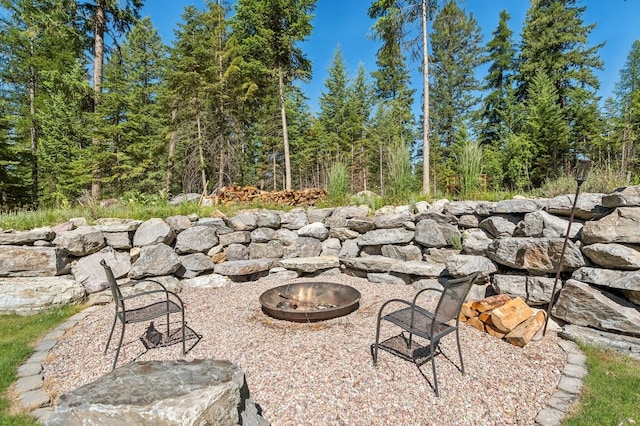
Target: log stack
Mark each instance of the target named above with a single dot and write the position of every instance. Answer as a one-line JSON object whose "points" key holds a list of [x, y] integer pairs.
{"points": [[245, 194], [503, 317]]}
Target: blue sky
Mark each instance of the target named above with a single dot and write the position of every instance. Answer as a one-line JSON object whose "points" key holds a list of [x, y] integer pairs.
{"points": [[345, 23]]}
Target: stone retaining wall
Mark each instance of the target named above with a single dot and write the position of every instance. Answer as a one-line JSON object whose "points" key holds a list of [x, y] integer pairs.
{"points": [[515, 243]]}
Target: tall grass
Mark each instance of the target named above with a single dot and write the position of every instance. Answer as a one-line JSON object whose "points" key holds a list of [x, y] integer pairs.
{"points": [[470, 167], [400, 181], [338, 189]]}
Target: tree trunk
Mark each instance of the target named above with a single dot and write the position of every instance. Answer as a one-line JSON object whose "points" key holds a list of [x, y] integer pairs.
{"points": [[285, 135], [203, 173], [425, 106], [32, 131], [172, 153], [98, 59]]}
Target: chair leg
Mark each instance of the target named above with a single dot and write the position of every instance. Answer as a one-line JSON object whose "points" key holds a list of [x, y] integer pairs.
{"points": [[374, 353], [113, 326], [433, 366], [184, 344], [459, 352], [115, 360]]}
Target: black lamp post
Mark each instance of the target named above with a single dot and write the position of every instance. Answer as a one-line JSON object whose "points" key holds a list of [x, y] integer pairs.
{"points": [[582, 172]]}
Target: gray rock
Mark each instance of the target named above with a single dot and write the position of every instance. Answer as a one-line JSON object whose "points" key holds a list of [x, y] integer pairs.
{"points": [[613, 255], [370, 263], [81, 241], [581, 304], [468, 221], [462, 265], [439, 255], [206, 281], [263, 235], [514, 206], [628, 196], [389, 279], [458, 208], [118, 240], [543, 224], [155, 260], [310, 264], [589, 206], [196, 239], [237, 252], [89, 273], [281, 274], [26, 261], [304, 247], [286, 236], [499, 226], [112, 224], [475, 241], [29, 295], [178, 222], [244, 267], [19, 238], [319, 215], [360, 224], [343, 233], [350, 248], [626, 345], [331, 247], [314, 230], [293, 219], [378, 237], [621, 226], [183, 392], [442, 218], [430, 233], [272, 249], [218, 223], [153, 231], [244, 221], [335, 222], [195, 264], [539, 255], [349, 212], [392, 220], [184, 198], [404, 253], [418, 268], [535, 291], [237, 237], [268, 219], [422, 206]]}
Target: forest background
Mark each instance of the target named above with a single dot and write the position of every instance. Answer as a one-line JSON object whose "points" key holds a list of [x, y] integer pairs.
{"points": [[94, 105]]}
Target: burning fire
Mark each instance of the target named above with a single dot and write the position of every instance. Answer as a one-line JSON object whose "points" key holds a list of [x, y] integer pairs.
{"points": [[306, 294]]}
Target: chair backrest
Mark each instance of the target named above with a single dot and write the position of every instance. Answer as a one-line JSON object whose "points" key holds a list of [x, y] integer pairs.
{"points": [[115, 290], [455, 291]]}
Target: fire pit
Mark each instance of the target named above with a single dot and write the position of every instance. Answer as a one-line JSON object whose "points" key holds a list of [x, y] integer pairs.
{"points": [[312, 301]]}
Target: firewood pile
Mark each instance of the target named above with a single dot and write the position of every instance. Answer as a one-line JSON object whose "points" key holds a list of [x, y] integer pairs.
{"points": [[244, 194], [504, 318]]}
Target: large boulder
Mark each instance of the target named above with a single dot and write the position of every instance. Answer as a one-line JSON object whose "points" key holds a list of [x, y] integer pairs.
{"points": [[19, 238], [196, 239], [430, 233], [89, 273], [589, 206], [378, 237], [613, 255], [27, 261], [81, 241], [464, 264], [310, 264], [153, 231], [155, 260], [314, 230], [29, 295], [543, 224], [621, 226], [623, 197], [157, 393], [475, 241], [539, 255], [533, 290]]}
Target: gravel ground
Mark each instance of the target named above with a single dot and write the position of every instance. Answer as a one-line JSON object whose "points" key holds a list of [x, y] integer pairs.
{"points": [[322, 373]]}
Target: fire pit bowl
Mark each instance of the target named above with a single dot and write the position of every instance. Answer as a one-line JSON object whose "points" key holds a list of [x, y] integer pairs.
{"points": [[311, 301]]}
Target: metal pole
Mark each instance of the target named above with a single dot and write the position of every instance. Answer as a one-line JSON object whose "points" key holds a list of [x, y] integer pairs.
{"points": [[559, 268]]}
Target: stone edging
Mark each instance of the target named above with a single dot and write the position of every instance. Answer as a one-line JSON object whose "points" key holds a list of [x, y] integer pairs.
{"points": [[30, 392]]}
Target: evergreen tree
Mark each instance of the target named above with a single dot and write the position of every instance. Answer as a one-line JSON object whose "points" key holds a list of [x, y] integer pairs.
{"points": [[333, 106]]}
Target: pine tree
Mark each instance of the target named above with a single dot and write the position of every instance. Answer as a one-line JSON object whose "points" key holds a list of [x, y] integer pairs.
{"points": [[333, 106]]}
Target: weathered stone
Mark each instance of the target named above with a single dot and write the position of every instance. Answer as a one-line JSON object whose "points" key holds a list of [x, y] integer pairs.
{"points": [[81, 241], [628, 282], [178, 222], [118, 240], [310, 264], [19, 238], [390, 279], [350, 248], [370, 263], [170, 282], [286, 236], [613, 255], [196, 239], [155, 260], [62, 227], [404, 253], [281, 274], [185, 198], [244, 267], [418, 268], [272, 249], [378, 237], [153, 231], [263, 235], [319, 215], [89, 273], [268, 219], [589, 206], [237, 237], [626, 345], [468, 221], [343, 234], [335, 222], [349, 212], [475, 241], [244, 221], [422, 206], [195, 264], [360, 224], [437, 216], [29, 295], [216, 222], [439, 255], [581, 304], [392, 220], [293, 219], [331, 247], [464, 264], [514, 206], [430, 233], [621, 226], [314, 230], [112, 224], [499, 226], [25, 384], [628, 196], [237, 252], [304, 247], [533, 290], [543, 224], [206, 281], [194, 392], [540, 255], [371, 251], [26, 261]]}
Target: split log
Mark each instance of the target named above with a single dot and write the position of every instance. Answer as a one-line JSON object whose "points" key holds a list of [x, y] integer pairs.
{"points": [[524, 332], [476, 323], [491, 302], [493, 331], [508, 316], [467, 311]]}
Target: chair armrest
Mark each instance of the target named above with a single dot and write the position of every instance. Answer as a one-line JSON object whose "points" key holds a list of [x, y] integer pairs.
{"points": [[415, 298], [163, 291]]}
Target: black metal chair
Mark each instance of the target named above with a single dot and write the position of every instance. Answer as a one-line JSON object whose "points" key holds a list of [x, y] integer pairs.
{"points": [[168, 303], [432, 326]]}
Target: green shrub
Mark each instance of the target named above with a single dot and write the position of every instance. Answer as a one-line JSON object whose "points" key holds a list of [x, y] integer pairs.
{"points": [[338, 183]]}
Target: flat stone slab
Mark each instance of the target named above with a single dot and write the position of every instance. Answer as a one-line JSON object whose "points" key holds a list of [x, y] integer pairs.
{"points": [[310, 264], [244, 267]]}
